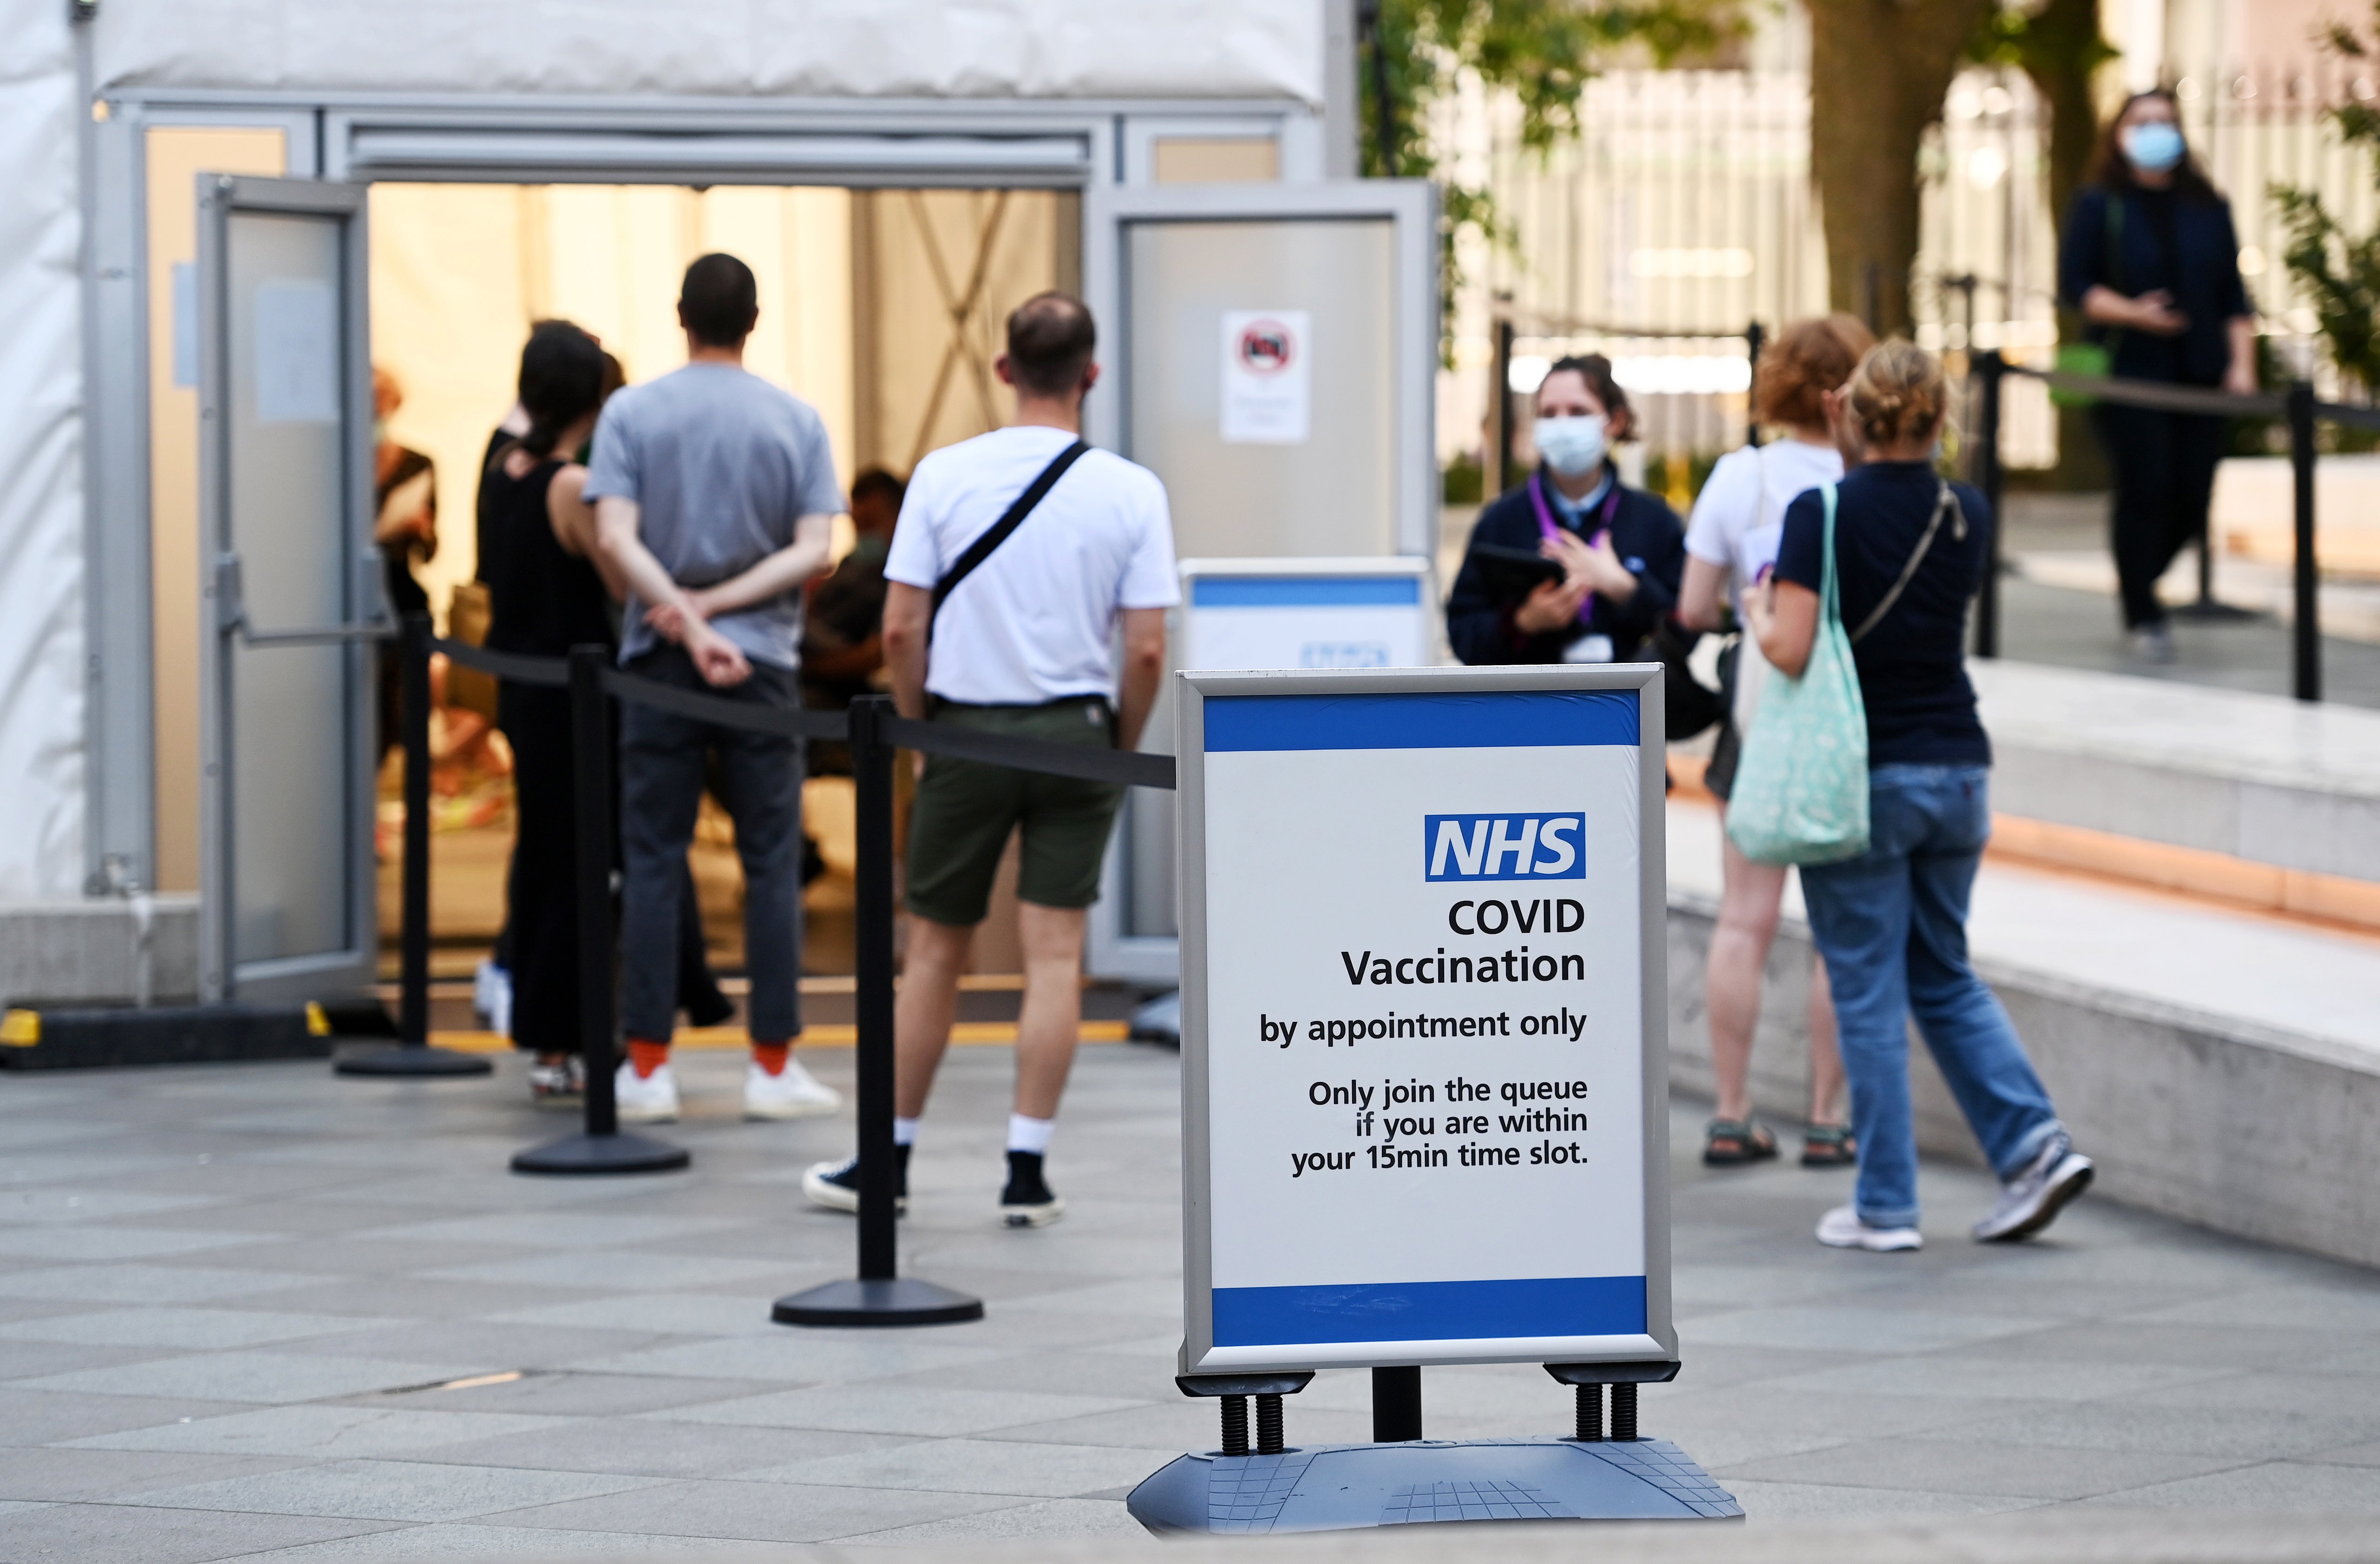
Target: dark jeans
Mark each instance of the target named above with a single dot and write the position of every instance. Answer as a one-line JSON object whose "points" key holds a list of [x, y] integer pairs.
{"points": [[540, 945], [2164, 468], [759, 778], [1892, 926]]}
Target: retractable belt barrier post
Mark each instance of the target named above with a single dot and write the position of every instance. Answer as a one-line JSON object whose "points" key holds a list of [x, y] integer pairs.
{"points": [[1424, 1087], [602, 1148], [2302, 411], [412, 1055]]}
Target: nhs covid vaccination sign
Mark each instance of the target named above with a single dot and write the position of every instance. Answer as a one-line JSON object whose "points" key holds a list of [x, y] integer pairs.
{"points": [[1424, 1084]]}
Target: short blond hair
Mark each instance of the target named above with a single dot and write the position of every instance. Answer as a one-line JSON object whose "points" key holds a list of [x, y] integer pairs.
{"points": [[1898, 391]]}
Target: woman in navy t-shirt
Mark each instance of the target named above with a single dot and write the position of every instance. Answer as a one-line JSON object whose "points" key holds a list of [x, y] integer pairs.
{"points": [[1910, 552]]}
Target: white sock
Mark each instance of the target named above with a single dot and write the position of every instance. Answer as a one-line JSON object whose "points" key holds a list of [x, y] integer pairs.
{"points": [[1030, 1134], [904, 1132]]}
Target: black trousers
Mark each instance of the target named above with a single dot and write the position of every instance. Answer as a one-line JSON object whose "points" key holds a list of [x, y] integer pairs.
{"points": [[2164, 468], [542, 929]]}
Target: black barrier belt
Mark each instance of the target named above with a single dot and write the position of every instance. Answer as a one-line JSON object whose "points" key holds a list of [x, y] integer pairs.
{"points": [[1129, 767], [2195, 399], [552, 673], [791, 721], [2160, 395]]}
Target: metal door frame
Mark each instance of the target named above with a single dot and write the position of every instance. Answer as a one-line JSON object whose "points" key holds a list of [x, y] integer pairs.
{"points": [[1108, 214], [364, 621]]}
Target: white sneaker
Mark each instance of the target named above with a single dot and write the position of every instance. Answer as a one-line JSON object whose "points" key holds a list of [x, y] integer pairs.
{"points": [[644, 1099], [491, 997], [2032, 1200], [794, 1093], [1841, 1228]]}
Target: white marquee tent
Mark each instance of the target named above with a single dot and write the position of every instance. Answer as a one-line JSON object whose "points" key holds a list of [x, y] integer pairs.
{"points": [[54, 71]]}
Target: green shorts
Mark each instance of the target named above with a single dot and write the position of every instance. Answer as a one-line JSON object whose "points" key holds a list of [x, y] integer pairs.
{"points": [[964, 810]]}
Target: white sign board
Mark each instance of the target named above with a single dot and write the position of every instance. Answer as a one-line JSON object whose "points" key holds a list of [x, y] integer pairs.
{"points": [[1267, 377], [1424, 1092], [1267, 613]]}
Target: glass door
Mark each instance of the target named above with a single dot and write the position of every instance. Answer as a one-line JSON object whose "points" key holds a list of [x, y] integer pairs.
{"points": [[1270, 352], [292, 605]]}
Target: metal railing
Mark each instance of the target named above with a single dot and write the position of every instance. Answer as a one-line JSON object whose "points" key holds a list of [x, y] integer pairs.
{"points": [[2298, 404], [874, 732]]}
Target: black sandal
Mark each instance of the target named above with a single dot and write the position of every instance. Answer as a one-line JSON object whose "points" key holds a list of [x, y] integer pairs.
{"points": [[1731, 1143], [1829, 1145]]}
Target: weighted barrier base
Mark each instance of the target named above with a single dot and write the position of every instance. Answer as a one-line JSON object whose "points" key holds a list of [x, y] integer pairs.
{"points": [[2212, 612], [586, 1155], [902, 1301], [1346, 1487], [397, 1059]]}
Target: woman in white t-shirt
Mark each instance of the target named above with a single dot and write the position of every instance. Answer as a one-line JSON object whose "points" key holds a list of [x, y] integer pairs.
{"points": [[1731, 545]]}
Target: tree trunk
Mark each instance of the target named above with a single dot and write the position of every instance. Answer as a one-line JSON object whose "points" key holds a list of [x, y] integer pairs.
{"points": [[2062, 52], [1879, 70]]}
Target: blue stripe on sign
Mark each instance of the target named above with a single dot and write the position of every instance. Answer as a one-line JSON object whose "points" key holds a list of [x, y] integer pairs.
{"points": [[1429, 1310], [1294, 591], [1487, 720]]}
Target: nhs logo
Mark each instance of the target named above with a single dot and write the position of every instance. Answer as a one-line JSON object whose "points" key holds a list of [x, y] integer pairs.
{"points": [[1503, 846]]}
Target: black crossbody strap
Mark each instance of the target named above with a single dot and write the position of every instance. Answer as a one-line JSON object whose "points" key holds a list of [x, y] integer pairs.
{"points": [[996, 533]]}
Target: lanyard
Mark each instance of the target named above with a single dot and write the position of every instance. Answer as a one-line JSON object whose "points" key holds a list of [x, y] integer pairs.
{"points": [[1547, 527]]}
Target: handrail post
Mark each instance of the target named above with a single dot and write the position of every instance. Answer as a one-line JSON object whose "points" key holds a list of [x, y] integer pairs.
{"points": [[1754, 338], [2306, 640], [1989, 378]]}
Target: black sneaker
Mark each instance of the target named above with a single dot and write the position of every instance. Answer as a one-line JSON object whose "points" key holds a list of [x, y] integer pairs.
{"points": [[1026, 1202], [835, 1185]]}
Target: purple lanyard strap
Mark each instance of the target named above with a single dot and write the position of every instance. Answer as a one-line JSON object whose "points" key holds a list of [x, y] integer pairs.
{"points": [[1547, 527]]}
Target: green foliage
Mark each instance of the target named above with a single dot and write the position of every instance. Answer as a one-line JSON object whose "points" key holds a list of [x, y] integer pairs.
{"points": [[2339, 272], [1541, 51], [2040, 40]]}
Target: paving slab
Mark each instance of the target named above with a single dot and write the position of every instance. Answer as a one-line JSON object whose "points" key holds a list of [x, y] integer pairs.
{"points": [[388, 1347]]}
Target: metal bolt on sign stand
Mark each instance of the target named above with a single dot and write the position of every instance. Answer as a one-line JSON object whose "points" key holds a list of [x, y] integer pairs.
{"points": [[411, 1055], [878, 1295], [602, 1147]]}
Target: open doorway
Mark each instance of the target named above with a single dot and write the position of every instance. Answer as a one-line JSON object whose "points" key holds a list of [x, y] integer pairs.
{"points": [[881, 308]]}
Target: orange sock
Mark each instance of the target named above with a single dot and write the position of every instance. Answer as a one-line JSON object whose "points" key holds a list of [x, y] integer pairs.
{"points": [[771, 1057], [647, 1057]]}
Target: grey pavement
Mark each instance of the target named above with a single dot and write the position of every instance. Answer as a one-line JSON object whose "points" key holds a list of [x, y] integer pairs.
{"points": [[262, 1312]]}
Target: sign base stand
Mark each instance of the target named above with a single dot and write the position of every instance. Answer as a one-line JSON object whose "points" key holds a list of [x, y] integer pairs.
{"points": [[1347, 1487]]}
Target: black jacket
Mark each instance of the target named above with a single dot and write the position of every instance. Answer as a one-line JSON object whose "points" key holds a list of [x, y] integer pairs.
{"points": [[1644, 534], [2203, 273]]}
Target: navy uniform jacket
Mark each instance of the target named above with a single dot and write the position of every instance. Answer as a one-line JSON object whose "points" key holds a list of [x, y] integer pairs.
{"points": [[2200, 270], [1644, 534]]}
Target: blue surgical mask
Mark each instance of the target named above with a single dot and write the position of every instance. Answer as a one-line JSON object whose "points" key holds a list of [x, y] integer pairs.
{"points": [[1573, 446], [2153, 146]]}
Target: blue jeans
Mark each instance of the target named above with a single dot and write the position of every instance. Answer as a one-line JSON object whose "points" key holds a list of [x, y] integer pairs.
{"points": [[1892, 926]]}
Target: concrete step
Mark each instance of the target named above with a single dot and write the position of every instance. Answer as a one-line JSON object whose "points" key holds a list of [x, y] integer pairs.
{"points": [[2222, 1065], [2270, 801]]}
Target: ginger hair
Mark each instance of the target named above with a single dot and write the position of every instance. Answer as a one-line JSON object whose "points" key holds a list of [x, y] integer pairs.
{"points": [[1808, 359]]}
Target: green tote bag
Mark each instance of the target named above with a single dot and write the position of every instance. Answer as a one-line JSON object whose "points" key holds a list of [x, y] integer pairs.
{"points": [[1801, 786]]}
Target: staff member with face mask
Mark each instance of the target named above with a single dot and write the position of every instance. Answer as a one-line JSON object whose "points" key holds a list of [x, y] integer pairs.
{"points": [[2150, 260], [1614, 554]]}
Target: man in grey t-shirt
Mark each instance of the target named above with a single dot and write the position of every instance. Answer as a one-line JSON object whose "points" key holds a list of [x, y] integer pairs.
{"points": [[714, 494]]}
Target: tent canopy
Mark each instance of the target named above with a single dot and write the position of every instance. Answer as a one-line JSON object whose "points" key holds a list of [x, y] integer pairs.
{"points": [[774, 48]]}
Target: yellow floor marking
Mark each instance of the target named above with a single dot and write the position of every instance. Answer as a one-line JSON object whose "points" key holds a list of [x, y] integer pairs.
{"points": [[828, 1036]]}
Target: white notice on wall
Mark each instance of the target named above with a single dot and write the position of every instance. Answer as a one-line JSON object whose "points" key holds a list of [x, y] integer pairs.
{"points": [[1267, 377], [297, 351]]}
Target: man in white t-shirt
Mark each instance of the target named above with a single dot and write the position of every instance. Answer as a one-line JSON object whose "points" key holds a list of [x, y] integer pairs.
{"points": [[1016, 641]]}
